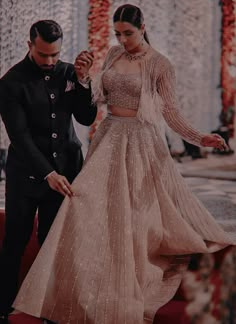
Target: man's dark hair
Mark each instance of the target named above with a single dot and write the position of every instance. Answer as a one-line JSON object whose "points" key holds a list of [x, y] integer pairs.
{"points": [[48, 30]]}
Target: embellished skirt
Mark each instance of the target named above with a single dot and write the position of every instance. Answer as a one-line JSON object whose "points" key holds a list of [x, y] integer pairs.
{"points": [[118, 248]]}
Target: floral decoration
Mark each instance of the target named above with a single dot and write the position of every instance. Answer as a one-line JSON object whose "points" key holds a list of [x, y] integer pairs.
{"points": [[228, 63], [98, 27]]}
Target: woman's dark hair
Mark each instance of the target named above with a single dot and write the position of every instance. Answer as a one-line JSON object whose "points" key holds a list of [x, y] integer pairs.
{"points": [[131, 14], [48, 30]]}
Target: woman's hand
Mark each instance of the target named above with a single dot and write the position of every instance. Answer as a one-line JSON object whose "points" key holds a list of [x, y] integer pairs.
{"points": [[83, 63], [214, 140]]}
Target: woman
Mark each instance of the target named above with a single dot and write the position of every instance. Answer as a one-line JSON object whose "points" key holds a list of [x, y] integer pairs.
{"points": [[117, 249]]}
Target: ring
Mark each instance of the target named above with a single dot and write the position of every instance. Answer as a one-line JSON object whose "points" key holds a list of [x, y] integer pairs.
{"points": [[64, 187]]}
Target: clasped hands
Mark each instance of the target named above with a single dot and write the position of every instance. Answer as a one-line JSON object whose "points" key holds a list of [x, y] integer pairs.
{"points": [[83, 63], [214, 140]]}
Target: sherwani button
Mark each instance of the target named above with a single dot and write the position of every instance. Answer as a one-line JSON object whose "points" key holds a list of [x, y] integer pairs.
{"points": [[54, 135], [52, 96], [53, 115], [47, 77]]}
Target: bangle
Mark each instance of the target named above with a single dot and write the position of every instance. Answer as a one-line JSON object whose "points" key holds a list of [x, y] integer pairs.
{"points": [[85, 80]]}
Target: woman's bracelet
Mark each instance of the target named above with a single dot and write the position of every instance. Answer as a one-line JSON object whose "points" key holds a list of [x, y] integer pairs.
{"points": [[85, 80]]}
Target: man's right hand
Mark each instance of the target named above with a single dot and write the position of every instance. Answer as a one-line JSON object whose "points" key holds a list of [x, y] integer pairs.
{"points": [[59, 183]]}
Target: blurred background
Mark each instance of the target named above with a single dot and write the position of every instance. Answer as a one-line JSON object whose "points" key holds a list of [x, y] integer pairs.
{"points": [[199, 37]]}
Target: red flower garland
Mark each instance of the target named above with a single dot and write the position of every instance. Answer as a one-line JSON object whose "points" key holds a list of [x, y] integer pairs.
{"points": [[228, 82], [98, 40]]}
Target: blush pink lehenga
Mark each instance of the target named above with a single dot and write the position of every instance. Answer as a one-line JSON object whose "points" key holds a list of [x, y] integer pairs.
{"points": [[117, 250]]}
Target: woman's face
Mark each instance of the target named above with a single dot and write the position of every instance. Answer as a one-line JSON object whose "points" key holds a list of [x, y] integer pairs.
{"points": [[128, 35]]}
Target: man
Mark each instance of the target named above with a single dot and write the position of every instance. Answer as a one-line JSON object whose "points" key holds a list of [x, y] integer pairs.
{"points": [[38, 97]]}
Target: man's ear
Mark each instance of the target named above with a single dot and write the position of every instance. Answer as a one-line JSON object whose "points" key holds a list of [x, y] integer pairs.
{"points": [[29, 45]]}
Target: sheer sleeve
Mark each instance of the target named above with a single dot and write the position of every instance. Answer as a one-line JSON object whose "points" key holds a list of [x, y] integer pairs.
{"points": [[173, 117], [98, 91]]}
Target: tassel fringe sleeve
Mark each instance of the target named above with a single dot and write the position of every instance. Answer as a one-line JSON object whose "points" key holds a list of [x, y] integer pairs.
{"points": [[166, 89]]}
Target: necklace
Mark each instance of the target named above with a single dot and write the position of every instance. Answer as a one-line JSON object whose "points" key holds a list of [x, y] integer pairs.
{"points": [[135, 57]]}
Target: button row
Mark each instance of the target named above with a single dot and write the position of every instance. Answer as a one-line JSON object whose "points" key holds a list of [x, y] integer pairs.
{"points": [[53, 115], [52, 95]]}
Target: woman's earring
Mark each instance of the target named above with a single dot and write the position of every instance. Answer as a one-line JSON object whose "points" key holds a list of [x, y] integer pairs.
{"points": [[142, 41]]}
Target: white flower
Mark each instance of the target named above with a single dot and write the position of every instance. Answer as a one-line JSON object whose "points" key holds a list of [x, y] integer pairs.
{"points": [[69, 86]]}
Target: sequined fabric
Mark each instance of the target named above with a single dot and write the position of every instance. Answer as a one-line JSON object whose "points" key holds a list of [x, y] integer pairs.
{"points": [[117, 250], [157, 98], [123, 90]]}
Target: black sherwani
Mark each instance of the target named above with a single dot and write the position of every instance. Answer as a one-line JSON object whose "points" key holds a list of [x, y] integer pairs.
{"points": [[37, 107]]}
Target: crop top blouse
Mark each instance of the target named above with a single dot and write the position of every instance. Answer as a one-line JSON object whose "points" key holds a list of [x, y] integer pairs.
{"points": [[152, 92], [122, 90]]}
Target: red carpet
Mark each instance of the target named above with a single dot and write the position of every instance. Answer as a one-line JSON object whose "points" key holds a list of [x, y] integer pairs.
{"points": [[23, 319]]}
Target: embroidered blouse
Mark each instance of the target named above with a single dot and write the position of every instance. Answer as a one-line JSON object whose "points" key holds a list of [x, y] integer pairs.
{"points": [[155, 93]]}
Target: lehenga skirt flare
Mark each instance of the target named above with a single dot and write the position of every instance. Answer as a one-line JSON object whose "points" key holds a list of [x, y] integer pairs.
{"points": [[118, 248]]}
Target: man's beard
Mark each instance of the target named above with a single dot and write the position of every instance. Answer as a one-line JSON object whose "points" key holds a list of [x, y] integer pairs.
{"points": [[47, 67], [43, 67]]}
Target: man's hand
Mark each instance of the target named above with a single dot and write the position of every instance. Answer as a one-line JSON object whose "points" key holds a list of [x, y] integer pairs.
{"points": [[59, 183], [83, 63]]}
